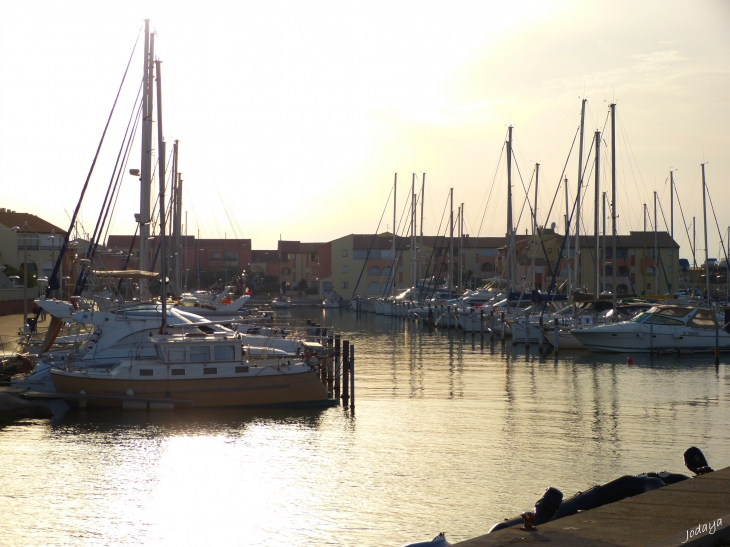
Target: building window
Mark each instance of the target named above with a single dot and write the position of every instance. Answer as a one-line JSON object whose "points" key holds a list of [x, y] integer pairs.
{"points": [[146, 372], [670, 252], [345, 285], [374, 270], [344, 252], [344, 268], [178, 372], [216, 256]]}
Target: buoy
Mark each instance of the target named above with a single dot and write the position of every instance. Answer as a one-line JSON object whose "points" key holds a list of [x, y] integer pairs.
{"points": [[630, 361]]}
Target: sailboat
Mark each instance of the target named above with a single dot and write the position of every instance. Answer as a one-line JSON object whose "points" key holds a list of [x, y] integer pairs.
{"points": [[199, 369]]}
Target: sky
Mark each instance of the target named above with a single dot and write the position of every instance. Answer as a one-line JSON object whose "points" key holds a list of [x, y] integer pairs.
{"points": [[293, 117]]}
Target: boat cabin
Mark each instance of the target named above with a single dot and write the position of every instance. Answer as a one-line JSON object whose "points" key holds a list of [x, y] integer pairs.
{"points": [[178, 349]]}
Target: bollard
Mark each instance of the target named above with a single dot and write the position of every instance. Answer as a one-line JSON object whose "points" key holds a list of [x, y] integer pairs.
{"points": [[352, 377], [337, 367], [491, 325], [345, 372], [503, 329], [557, 337], [540, 336]]}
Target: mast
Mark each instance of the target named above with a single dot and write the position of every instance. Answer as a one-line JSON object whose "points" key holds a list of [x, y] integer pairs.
{"points": [[603, 242], [177, 226], [694, 241], [161, 172], [568, 290], [461, 247], [578, 197], [614, 255], [704, 214], [596, 210], [671, 203], [656, 251], [420, 251], [451, 242], [395, 266], [146, 162], [413, 230], [510, 228], [534, 223]]}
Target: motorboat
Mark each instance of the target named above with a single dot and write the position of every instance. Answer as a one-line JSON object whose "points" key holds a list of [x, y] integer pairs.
{"points": [[191, 370], [223, 308], [661, 328], [330, 303], [281, 302]]}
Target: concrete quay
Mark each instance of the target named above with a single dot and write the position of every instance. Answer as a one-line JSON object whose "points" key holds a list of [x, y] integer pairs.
{"points": [[691, 513]]}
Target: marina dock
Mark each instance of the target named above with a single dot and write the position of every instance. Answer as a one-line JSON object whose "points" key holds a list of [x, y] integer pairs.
{"points": [[693, 512]]}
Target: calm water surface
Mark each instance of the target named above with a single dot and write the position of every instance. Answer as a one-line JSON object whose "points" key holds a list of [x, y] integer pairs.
{"points": [[450, 434]]}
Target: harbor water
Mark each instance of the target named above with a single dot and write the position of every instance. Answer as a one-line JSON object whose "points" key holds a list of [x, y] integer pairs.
{"points": [[450, 433]]}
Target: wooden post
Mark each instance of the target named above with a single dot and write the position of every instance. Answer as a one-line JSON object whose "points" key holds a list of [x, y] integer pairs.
{"points": [[541, 334], [345, 372], [557, 337], [491, 325], [352, 377], [337, 366], [503, 330], [481, 323], [527, 331]]}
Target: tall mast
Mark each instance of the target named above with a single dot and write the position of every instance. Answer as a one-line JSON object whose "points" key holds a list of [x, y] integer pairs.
{"points": [[578, 197], [420, 252], [177, 220], [656, 251], [395, 266], [603, 241], [413, 230], [461, 246], [510, 227], [146, 162], [614, 255], [161, 172], [671, 203], [451, 242], [534, 223], [568, 290], [704, 214], [596, 211], [694, 241]]}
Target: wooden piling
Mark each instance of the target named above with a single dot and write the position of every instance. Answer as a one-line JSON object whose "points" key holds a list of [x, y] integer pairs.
{"points": [[481, 323], [557, 337], [337, 366], [345, 372], [491, 325], [504, 334], [541, 335], [527, 331], [352, 377]]}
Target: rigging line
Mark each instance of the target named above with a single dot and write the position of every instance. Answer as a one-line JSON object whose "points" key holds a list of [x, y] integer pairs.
{"points": [[396, 256], [105, 204], [631, 150], [54, 283], [491, 189], [433, 251], [375, 235], [228, 216], [527, 192], [123, 154], [162, 212], [118, 186], [560, 180], [722, 243], [686, 228]]}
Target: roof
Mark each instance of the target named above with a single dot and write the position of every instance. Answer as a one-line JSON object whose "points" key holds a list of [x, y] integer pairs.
{"points": [[10, 219]]}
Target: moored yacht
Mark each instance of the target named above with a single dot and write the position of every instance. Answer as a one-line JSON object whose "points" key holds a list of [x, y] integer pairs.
{"points": [[659, 329]]}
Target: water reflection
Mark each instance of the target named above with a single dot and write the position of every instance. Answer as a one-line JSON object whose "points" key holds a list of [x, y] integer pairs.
{"points": [[452, 433]]}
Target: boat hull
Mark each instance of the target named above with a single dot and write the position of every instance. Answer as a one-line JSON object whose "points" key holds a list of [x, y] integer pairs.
{"points": [[297, 389]]}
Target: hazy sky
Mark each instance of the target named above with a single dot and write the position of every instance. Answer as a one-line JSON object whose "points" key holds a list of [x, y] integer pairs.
{"points": [[294, 116]]}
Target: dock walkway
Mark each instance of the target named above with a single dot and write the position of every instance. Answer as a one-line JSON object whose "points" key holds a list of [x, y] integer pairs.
{"points": [[672, 515]]}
